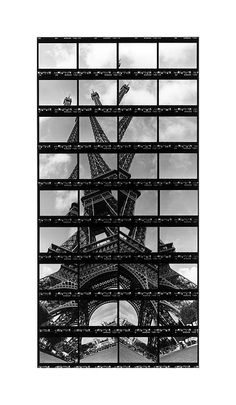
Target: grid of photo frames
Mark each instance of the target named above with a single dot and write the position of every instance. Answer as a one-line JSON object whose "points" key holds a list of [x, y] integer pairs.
{"points": [[117, 202]]}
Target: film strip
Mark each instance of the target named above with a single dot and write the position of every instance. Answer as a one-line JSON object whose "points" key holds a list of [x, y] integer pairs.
{"points": [[118, 173]]}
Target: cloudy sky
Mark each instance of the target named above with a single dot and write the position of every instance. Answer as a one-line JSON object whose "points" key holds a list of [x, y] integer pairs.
{"points": [[105, 313], [56, 165], [178, 92], [178, 129], [141, 129], [127, 311], [146, 203], [138, 55], [144, 165], [107, 90], [131, 55], [178, 165], [53, 56], [187, 270], [97, 55], [57, 202], [55, 129], [46, 269], [142, 92], [178, 202], [54, 91], [151, 238], [183, 238], [109, 311], [177, 55], [56, 235], [108, 124]]}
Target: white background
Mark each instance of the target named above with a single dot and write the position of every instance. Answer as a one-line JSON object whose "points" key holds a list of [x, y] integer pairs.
{"points": [[22, 22]]}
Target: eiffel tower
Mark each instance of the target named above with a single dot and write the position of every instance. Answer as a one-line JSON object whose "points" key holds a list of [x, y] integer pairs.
{"points": [[111, 276]]}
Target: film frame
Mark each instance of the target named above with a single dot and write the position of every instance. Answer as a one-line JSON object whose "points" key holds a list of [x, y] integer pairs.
{"points": [[61, 338]]}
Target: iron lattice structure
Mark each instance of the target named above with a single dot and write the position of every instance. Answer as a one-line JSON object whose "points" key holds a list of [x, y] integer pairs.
{"points": [[98, 276]]}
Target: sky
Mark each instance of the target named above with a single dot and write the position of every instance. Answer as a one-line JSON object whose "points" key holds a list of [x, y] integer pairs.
{"points": [[178, 129], [178, 165], [108, 124], [107, 90], [54, 91], [56, 235], [56, 165], [177, 55], [109, 311], [184, 238], [146, 203], [141, 129], [131, 55], [52, 56], [59, 235], [126, 310], [178, 92], [138, 55], [142, 92], [105, 313], [46, 269], [92, 56], [55, 129], [144, 165], [187, 270], [178, 202], [57, 202], [150, 239]]}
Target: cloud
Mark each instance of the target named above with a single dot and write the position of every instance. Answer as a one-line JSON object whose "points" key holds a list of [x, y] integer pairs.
{"points": [[189, 272], [109, 94], [141, 129], [178, 129], [143, 92], [97, 55], [177, 55], [82, 171], [144, 165], [54, 165], [105, 313], [46, 270], [138, 55], [178, 92], [180, 161], [107, 90], [71, 231], [128, 312], [64, 199], [57, 56]]}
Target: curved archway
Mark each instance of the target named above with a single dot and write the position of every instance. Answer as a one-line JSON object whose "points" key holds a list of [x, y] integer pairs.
{"points": [[104, 314]]}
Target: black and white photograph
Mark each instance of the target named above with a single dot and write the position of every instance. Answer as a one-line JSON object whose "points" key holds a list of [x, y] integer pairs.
{"points": [[175, 349], [118, 202]]}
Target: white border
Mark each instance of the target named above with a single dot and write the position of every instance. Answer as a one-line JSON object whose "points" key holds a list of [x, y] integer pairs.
{"points": [[215, 24]]}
